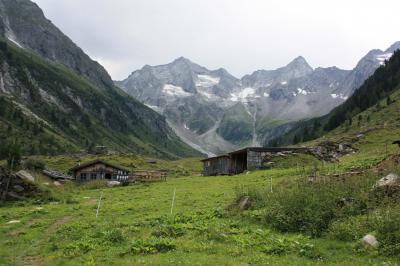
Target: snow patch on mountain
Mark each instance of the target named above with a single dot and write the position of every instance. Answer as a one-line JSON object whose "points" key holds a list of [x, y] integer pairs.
{"points": [[341, 96], [15, 42], [244, 95], [175, 91], [155, 108], [206, 81], [301, 91], [382, 57]]}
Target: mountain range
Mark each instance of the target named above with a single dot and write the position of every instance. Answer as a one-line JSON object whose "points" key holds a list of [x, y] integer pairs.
{"points": [[215, 112], [56, 99]]}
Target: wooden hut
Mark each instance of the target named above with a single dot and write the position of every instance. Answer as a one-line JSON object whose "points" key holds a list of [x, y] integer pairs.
{"points": [[246, 159], [219, 165], [99, 169]]}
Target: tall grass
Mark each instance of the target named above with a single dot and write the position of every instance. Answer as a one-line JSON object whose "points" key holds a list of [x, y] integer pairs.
{"points": [[311, 206]]}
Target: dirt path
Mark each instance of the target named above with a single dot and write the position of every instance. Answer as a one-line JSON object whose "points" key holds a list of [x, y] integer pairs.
{"points": [[39, 260]]}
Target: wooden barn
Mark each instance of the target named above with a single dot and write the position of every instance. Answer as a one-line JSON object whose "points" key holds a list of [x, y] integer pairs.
{"points": [[246, 159], [99, 169], [219, 165]]}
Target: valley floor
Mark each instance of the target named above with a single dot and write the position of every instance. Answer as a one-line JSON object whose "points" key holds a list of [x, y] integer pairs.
{"points": [[132, 219]]}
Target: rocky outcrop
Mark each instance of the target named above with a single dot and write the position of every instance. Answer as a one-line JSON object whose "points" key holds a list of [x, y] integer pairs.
{"points": [[17, 187], [387, 186], [330, 151], [390, 180]]}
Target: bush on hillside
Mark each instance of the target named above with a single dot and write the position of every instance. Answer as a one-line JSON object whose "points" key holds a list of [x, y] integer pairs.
{"points": [[310, 207], [351, 229], [387, 226], [34, 164]]}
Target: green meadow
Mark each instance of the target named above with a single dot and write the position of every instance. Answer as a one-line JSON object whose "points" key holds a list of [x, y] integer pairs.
{"points": [[136, 226]]}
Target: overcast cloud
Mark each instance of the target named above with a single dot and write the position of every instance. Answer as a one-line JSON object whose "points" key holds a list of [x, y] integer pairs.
{"points": [[239, 35]]}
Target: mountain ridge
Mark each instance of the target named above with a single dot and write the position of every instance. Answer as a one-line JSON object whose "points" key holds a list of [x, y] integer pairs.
{"points": [[185, 92]]}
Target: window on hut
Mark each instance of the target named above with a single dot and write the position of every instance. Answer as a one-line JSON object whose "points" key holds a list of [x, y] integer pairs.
{"points": [[83, 176]]}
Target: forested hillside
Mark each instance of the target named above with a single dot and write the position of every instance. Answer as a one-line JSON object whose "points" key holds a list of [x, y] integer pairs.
{"points": [[47, 108]]}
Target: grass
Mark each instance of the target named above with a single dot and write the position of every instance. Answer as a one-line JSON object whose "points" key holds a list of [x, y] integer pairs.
{"points": [[135, 225]]}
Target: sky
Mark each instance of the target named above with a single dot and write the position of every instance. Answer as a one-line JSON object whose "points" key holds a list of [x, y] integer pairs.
{"points": [[239, 35]]}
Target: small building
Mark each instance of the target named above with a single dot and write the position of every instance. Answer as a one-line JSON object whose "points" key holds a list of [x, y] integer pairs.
{"points": [[99, 169], [219, 165], [247, 159], [148, 176]]}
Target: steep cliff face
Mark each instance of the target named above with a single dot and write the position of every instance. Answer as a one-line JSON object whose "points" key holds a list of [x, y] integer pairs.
{"points": [[50, 86], [23, 23]]}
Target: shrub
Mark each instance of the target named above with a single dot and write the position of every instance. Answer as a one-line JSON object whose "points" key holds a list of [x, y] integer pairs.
{"points": [[34, 164], [310, 207], [151, 246], [388, 231], [350, 229], [78, 248], [114, 236], [169, 230]]}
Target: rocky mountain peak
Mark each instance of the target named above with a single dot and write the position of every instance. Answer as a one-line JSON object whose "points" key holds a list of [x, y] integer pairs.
{"points": [[181, 60], [300, 64]]}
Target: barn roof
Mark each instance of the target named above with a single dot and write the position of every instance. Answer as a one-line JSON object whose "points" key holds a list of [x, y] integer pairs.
{"points": [[215, 157], [268, 149], [257, 149], [84, 165]]}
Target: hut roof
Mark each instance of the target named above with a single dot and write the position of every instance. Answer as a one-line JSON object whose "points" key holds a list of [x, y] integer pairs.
{"points": [[257, 149], [78, 167], [215, 157], [269, 149]]}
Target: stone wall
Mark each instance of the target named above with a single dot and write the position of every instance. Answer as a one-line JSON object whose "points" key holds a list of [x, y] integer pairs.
{"points": [[255, 159]]}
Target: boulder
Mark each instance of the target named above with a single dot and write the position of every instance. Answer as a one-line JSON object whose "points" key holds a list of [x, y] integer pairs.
{"points": [[26, 176], [370, 241], [388, 181], [18, 188], [113, 184], [244, 203], [15, 196]]}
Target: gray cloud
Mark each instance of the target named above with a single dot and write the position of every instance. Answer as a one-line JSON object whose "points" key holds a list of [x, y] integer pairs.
{"points": [[241, 36]]}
